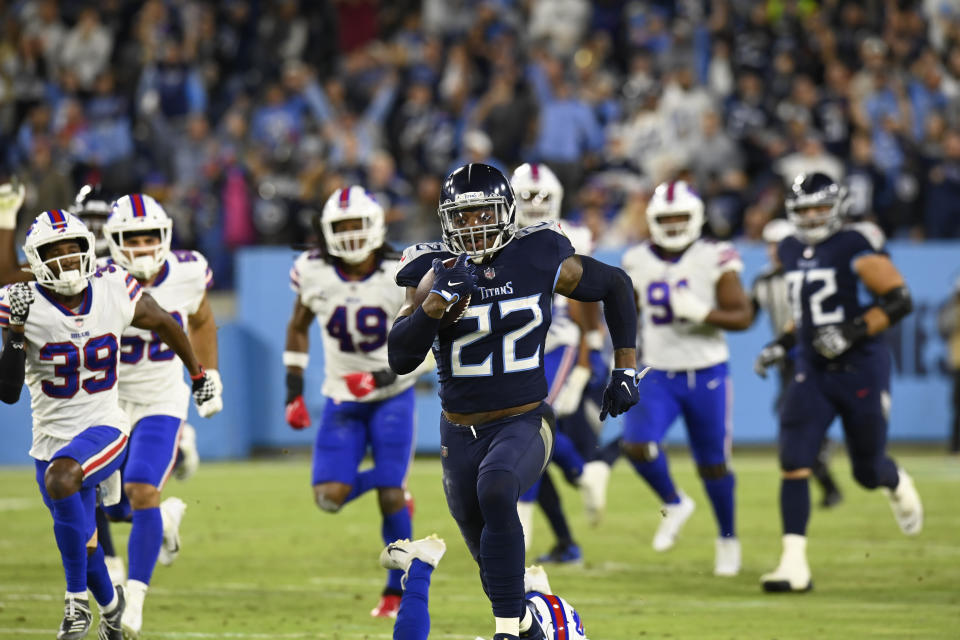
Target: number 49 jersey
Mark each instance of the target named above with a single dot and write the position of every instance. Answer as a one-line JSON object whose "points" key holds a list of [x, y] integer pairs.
{"points": [[71, 367], [354, 318], [151, 373], [669, 343], [823, 288], [492, 358]]}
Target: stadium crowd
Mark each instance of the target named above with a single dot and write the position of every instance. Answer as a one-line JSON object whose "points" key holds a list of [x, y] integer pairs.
{"points": [[243, 116]]}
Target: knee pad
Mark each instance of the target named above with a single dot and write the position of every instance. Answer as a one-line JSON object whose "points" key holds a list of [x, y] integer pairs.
{"points": [[641, 451], [713, 471], [328, 505]]}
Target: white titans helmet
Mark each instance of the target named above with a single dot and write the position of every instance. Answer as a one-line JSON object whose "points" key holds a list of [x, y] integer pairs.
{"points": [[356, 245], [673, 199], [138, 214], [538, 193], [51, 227], [557, 619]]}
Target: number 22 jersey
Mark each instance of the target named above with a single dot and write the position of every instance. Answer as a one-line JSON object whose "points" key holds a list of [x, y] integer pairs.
{"points": [[71, 368]]}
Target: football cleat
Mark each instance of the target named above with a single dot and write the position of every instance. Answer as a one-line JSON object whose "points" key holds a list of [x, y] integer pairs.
{"points": [[674, 517], [132, 619], [118, 573], [109, 627], [535, 579], [906, 505], [189, 458], [727, 559], [593, 487], [171, 510], [388, 607], [400, 553], [793, 572], [562, 554], [76, 619]]}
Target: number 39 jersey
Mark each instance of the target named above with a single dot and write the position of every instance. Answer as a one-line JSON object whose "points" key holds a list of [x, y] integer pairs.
{"points": [[354, 318], [824, 289], [151, 373], [71, 367], [669, 343], [492, 358]]}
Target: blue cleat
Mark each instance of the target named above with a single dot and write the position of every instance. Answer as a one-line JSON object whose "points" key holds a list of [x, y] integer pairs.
{"points": [[563, 554]]}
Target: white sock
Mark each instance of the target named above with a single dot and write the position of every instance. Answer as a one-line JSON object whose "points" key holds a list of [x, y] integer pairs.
{"points": [[526, 621], [509, 626], [109, 608], [81, 595]]}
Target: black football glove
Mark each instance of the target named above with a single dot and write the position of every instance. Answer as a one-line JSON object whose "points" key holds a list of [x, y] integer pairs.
{"points": [[456, 282], [836, 339], [20, 296], [621, 392]]}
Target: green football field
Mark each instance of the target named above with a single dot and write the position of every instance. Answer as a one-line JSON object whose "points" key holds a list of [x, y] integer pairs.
{"points": [[260, 561]]}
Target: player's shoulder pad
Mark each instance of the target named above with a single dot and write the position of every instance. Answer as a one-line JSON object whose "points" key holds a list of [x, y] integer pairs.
{"points": [[633, 256], [417, 259], [549, 235], [544, 225], [870, 232], [113, 275], [727, 256]]}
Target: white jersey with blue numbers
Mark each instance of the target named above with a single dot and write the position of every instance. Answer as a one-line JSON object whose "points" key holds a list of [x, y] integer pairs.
{"points": [[563, 331], [669, 343], [151, 374], [72, 354], [492, 358], [354, 318]]}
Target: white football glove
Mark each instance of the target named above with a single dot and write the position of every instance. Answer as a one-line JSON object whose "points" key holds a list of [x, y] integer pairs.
{"points": [[11, 198], [208, 393], [568, 399], [770, 355], [686, 305]]}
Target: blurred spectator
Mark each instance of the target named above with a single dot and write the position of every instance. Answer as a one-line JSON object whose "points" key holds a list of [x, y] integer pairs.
{"points": [[942, 207], [86, 48], [948, 322]]}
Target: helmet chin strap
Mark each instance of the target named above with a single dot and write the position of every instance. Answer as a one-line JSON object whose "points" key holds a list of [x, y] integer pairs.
{"points": [[143, 266], [70, 282]]}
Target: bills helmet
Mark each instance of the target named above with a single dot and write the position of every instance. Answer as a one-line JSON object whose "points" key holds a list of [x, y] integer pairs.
{"points": [[557, 619], [814, 206], [72, 270], [538, 192], [93, 205], [674, 200], [352, 245], [138, 215], [477, 212]]}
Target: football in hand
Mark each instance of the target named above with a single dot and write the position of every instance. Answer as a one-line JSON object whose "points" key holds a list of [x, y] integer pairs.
{"points": [[423, 290]]}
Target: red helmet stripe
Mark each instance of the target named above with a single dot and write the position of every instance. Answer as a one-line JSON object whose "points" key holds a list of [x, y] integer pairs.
{"points": [[535, 171], [344, 198], [559, 616], [139, 211], [670, 188], [57, 218]]}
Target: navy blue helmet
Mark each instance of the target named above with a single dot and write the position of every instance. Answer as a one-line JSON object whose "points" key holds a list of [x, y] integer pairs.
{"points": [[93, 205], [814, 206], [477, 211]]}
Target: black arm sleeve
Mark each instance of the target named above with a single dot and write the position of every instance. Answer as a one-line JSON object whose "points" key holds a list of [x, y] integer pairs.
{"points": [[410, 339], [13, 362], [614, 287], [896, 303]]}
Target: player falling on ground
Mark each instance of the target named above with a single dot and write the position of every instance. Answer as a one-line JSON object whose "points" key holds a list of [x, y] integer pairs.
{"points": [[842, 364], [769, 293], [553, 617], [496, 432], [152, 390], [61, 336], [567, 365], [347, 285], [688, 292]]}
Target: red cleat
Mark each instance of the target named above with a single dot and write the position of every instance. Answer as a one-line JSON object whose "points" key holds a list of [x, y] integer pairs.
{"points": [[388, 607], [408, 499]]}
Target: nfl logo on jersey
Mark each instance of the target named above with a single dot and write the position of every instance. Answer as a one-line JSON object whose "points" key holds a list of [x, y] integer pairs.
{"points": [[489, 273]]}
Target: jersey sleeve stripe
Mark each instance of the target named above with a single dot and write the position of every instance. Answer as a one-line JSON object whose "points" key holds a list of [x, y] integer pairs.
{"points": [[4, 308], [134, 292]]}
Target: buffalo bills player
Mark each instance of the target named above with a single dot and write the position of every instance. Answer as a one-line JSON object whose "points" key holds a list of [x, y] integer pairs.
{"points": [[496, 432], [62, 336], [689, 291], [347, 285], [842, 364], [553, 617], [567, 365], [152, 391]]}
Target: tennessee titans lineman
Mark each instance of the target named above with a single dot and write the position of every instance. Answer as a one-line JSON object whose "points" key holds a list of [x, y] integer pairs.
{"points": [[496, 433], [842, 364]]}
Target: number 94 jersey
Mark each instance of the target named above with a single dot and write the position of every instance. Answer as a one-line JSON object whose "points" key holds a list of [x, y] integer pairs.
{"points": [[354, 318], [72, 354], [151, 373], [669, 343]]}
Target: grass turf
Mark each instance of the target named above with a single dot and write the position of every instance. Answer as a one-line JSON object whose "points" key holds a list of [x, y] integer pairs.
{"points": [[260, 561]]}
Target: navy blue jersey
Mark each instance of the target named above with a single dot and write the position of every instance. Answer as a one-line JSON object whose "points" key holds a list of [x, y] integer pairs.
{"points": [[493, 357], [823, 288]]}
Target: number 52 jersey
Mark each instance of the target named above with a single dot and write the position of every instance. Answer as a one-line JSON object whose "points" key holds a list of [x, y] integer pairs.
{"points": [[72, 356]]}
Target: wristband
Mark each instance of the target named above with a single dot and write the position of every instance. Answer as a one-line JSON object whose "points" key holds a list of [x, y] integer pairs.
{"points": [[295, 359]]}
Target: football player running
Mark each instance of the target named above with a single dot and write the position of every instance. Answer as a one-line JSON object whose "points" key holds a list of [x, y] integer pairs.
{"points": [[347, 286], [842, 364], [61, 338], [567, 364], [152, 390], [496, 431], [688, 292], [553, 617]]}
